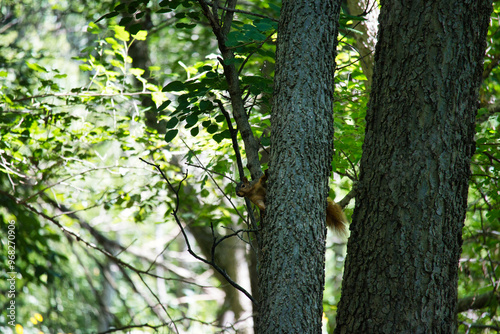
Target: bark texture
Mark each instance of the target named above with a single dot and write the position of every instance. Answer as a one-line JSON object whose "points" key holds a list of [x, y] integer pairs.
{"points": [[291, 277], [406, 235]]}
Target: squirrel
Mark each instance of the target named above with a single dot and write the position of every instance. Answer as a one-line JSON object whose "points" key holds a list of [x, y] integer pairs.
{"points": [[256, 193]]}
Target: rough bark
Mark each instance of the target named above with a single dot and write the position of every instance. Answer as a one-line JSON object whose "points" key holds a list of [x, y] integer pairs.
{"points": [[402, 265], [291, 277]]}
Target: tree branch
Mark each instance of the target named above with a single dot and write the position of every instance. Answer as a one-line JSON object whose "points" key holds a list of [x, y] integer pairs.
{"points": [[233, 10], [477, 302], [232, 79], [190, 250]]}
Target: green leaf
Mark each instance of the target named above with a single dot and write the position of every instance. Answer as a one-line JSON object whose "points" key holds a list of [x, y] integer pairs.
{"points": [[192, 119], [170, 3], [217, 137], [170, 135], [233, 38], [120, 7], [109, 15], [211, 75], [36, 67], [93, 28], [125, 21], [163, 105], [212, 128], [351, 17], [206, 105], [195, 131], [135, 28], [256, 35], [141, 35], [121, 34], [265, 141], [194, 15], [172, 122], [137, 71], [266, 25], [226, 134], [182, 25]]}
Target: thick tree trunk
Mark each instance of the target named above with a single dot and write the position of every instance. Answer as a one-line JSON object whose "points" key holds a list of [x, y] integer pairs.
{"points": [[402, 263], [291, 277]]}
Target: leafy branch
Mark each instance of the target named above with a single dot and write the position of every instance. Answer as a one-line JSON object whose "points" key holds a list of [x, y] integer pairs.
{"points": [[232, 79]]}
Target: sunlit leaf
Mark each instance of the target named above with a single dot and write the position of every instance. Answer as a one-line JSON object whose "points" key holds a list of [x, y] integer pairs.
{"points": [[141, 35], [36, 67], [121, 34]]}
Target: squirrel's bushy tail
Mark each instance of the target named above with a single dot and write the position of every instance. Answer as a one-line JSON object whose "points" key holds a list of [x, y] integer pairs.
{"points": [[335, 218]]}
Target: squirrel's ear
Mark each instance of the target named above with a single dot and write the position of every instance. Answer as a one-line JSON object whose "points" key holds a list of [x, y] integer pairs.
{"points": [[244, 179]]}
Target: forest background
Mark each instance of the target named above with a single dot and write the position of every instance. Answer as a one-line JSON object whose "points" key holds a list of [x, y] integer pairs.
{"points": [[93, 91]]}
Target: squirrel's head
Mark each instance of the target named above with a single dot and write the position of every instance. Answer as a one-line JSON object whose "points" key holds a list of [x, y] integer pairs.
{"points": [[243, 187]]}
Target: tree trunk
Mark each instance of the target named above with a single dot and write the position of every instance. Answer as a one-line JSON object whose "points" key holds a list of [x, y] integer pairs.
{"points": [[406, 235], [291, 277]]}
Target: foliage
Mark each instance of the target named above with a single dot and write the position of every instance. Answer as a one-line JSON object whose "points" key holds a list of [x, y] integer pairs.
{"points": [[73, 127]]}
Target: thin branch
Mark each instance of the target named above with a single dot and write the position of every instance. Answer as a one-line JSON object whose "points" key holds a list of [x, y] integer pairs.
{"points": [[477, 302], [355, 177], [255, 50], [215, 182], [112, 244], [354, 61], [61, 181], [81, 95], [210, 3], [347, 198], [123, 329], [77, 237], [233, 83], [234, 138], [211, 171], [160, 303], [235, 233], [186, 239]]}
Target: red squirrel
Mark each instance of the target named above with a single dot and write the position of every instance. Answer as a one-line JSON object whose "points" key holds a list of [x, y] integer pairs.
{"points": [[335, 217]]}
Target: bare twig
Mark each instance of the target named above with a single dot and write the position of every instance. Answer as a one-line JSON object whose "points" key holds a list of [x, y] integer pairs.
{"points": [[83, 94], [215, 182], [211, 171], [234, 138], [190, 250], [79, 238], [241, 11], [251, 53], [355, 177]]}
